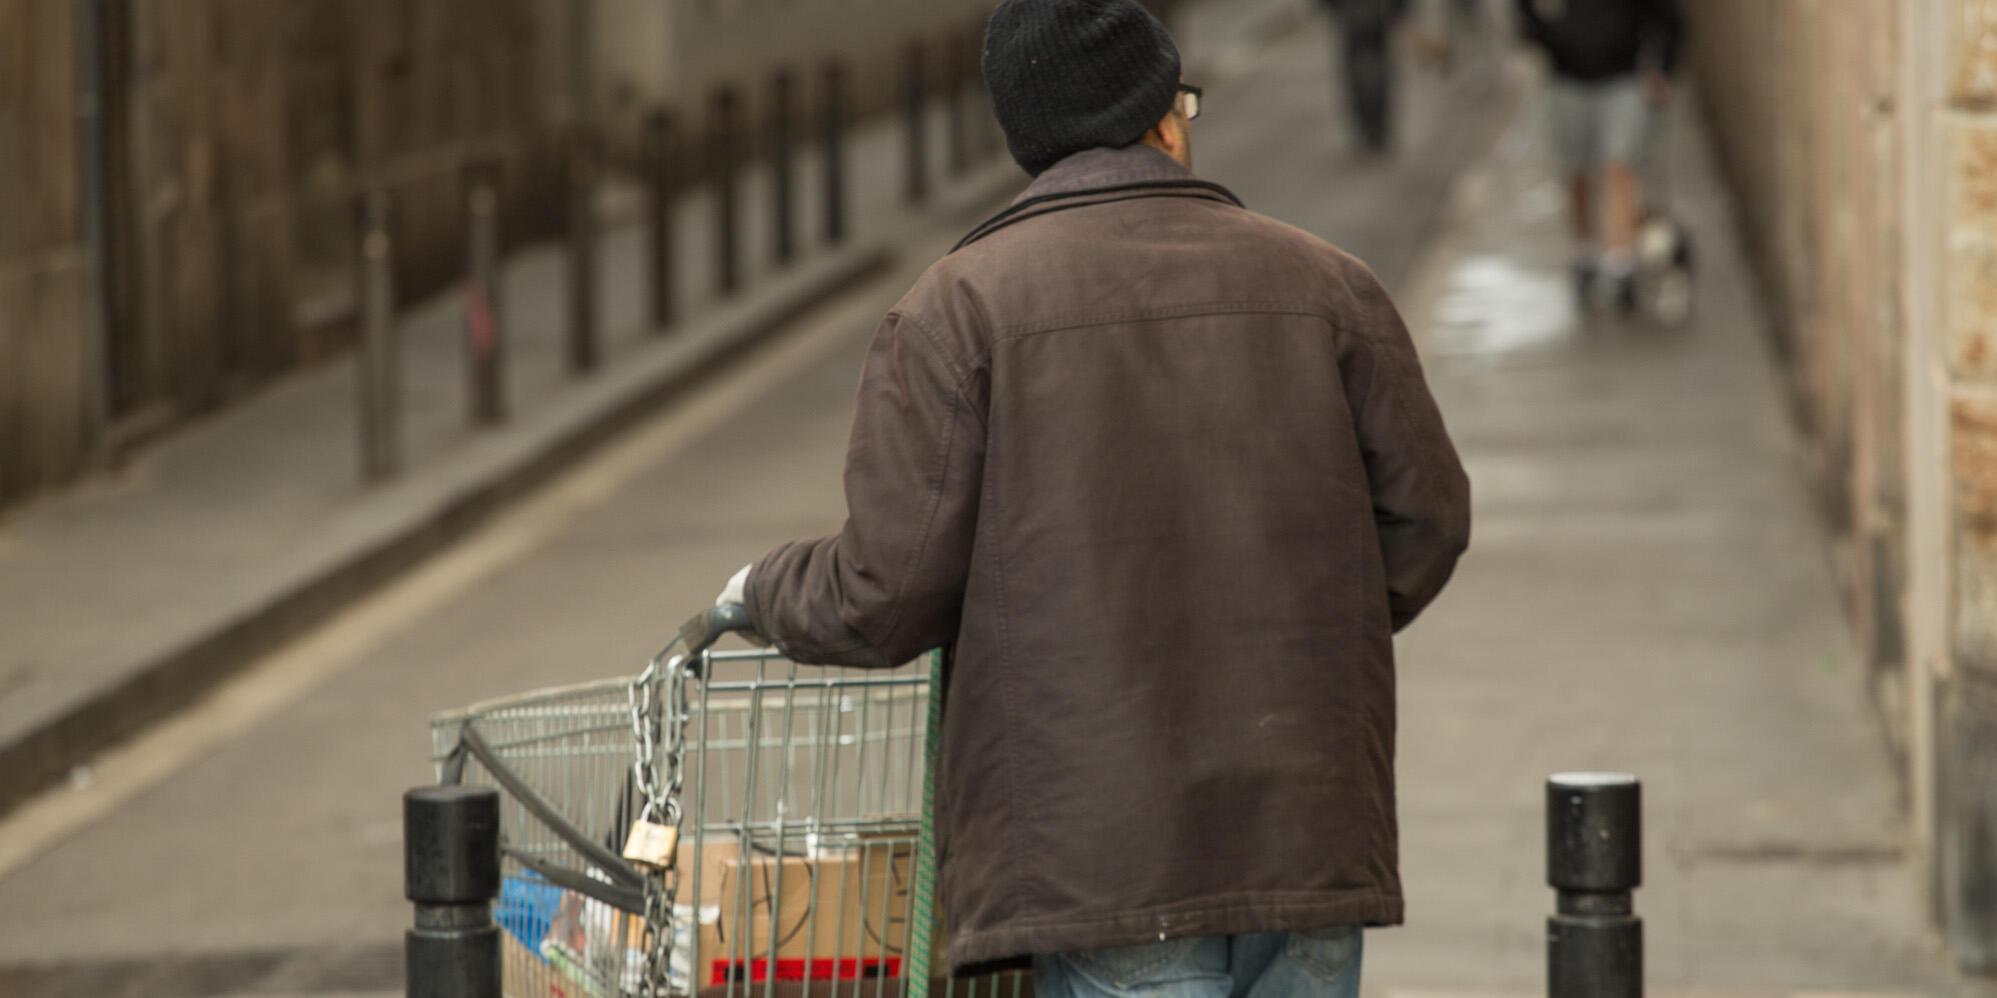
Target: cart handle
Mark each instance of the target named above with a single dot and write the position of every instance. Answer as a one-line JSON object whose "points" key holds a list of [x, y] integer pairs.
{"points": [[706, 627]]}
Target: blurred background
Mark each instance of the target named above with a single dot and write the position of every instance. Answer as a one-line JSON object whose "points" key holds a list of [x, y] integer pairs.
{"points": [[361, 359]]}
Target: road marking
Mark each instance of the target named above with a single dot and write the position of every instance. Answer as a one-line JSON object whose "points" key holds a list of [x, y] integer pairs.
{"points": [[284, 676]]}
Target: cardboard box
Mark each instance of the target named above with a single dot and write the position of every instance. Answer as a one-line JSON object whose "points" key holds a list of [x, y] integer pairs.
{"points": [[829, 913]]}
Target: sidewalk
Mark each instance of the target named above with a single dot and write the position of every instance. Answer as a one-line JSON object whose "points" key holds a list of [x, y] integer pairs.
{"points": [[1649, 590], [123, 599]]}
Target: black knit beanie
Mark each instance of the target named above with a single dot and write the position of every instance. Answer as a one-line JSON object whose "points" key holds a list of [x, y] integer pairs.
{"points": [[1069, 75]]}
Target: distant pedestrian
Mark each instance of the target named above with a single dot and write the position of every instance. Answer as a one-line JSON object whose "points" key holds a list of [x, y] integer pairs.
{"points": [[1365, 34], [1166, 475], [1612, 62]]}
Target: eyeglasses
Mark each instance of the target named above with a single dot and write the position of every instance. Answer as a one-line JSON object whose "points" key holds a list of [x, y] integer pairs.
{"points": [[1191, 104]]}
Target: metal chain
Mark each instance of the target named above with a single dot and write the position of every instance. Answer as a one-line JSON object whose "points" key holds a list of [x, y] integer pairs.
{"points": [[660, 738]]}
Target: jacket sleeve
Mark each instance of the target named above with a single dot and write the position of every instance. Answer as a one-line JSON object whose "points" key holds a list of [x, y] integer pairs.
{"points": [[889, 585], [1421, 496]]}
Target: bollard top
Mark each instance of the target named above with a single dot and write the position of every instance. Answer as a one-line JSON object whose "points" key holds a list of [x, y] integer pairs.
{"points": [[1594, 832], [1582, 780], [450, 792], [450, 844]]}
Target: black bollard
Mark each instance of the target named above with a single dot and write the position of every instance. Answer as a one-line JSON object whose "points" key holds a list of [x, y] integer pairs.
{"points": [[783, 184], [916, 189], [832, 122], [378, 368], [450, 848], [721, 167], [662, 155], [958, 138], [485, 327], [1594, 860]]}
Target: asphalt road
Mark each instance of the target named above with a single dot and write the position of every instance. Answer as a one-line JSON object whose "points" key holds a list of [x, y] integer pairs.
{"points": [[252, 846]]}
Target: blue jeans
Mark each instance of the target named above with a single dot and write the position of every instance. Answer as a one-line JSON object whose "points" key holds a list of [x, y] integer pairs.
{"points": [[1323, 963]]}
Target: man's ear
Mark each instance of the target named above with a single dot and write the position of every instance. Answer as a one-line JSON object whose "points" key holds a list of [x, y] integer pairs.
{"points": [[1159, 136]]}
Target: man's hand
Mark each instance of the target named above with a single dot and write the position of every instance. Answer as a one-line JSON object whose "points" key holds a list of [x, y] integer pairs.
{"points": [[1656, 87], [736, 589]]}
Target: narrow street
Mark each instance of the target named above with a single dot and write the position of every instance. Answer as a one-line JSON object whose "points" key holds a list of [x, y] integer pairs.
{"points": [[1648, 590]]}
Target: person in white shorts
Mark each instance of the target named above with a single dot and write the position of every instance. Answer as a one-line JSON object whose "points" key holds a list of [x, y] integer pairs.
{"points": [[1612, 62]]}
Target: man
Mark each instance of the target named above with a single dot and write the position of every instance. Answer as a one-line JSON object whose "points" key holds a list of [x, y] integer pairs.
{"points": [[1366, 31], [1611, 59], [1165, 475]]}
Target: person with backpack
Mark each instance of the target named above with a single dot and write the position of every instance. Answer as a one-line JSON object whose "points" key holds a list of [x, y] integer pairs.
{"points": [[1611, 64]]}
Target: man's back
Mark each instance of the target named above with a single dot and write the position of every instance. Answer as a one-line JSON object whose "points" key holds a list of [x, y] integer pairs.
{"points": [[1183, 481], [1165, 476]]}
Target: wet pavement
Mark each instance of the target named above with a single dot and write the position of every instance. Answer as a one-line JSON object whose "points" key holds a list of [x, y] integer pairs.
{"points": [[1649, 589]]}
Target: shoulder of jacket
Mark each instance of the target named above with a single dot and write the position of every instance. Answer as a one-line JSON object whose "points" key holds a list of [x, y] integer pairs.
{"points": [[942, 310]]}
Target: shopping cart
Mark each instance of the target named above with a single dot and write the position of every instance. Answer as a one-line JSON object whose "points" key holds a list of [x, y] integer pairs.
{"points": [[725, 823]]}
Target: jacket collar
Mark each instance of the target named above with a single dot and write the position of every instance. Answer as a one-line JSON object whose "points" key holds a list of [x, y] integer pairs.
{"points": [[1097, 176]]}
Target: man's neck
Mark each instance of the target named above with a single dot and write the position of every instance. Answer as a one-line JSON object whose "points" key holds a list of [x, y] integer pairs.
{"points": [[1153, 140]]}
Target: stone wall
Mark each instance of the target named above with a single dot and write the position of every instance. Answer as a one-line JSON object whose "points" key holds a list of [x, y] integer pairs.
{"points": [[237, 136], [1968, 716], [254, 129], [240, 133], [41, 263], [1862, 142]]}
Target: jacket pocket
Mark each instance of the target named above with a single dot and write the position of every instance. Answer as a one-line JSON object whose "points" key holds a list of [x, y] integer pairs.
{"points": [[1125, 967], [1324, 953]]}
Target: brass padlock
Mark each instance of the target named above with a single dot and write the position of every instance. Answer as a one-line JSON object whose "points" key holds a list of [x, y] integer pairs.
{"points": [[653, 845]]}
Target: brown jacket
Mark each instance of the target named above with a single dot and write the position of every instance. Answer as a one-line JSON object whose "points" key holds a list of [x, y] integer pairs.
{"points": [[1166, 474]]}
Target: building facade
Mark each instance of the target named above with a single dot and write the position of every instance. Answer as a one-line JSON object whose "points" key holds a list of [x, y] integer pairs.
{"points": [[179, 178], [1861, 139]]}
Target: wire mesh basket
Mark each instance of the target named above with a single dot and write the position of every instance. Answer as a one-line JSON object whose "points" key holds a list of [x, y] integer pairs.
{"points": [[799, 861]]}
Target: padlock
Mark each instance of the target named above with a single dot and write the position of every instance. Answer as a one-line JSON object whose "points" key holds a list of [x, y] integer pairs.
{"points": [[652, 844]]}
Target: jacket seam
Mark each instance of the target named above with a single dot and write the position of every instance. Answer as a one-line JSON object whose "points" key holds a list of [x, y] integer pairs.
{"points": [[914, 557], [935, 343], [1008, 693], [959, 373], [1091, 320], [1190, 310]]}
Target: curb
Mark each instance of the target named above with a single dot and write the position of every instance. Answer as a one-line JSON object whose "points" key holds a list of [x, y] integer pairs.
{"points": [[409, 520]]}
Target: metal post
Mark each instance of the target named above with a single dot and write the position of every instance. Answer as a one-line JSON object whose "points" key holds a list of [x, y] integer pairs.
{"points": [[917, 166], [783, 184], [582, 251], [485, 328], [582, 176], [833, 123], [662, 153], [376, 368], [450, 850], [958, 137], [721, 166], [97, 388], [1594, 860]]}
